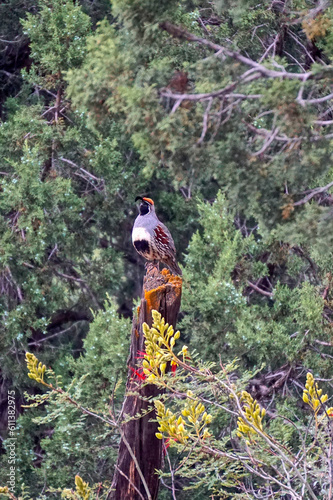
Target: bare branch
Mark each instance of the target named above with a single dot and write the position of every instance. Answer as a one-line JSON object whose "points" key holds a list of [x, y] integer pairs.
{"points": [[321, 342], [172, 474], [318, 100], [181, 33], [225, 92], [87, 176], [205, 121], [267, 142], [130, 482], [37, 342], [260, 290], [10, 41], [323, 122], [176, 106], [53, 250], [272, 46], [313, 193], [284, 138], [292, 35]]}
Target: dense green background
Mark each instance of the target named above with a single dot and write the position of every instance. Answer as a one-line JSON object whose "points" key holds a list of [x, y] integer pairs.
{"points": [[86, 126]]}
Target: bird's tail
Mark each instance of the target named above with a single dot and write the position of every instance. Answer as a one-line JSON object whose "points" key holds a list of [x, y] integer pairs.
{"points": [[174, 267]]}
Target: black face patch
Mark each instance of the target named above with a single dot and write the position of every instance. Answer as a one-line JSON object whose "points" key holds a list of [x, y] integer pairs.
{"points": [[144, 208], [142, 246]]}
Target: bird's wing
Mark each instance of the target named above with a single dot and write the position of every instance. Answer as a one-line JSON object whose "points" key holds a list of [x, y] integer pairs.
{"points": [[170, 239]]}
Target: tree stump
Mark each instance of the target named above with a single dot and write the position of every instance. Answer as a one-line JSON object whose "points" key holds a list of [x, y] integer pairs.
{"points": [[139, 447]]}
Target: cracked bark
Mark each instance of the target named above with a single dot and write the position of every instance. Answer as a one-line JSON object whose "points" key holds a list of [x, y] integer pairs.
{"points": [[162, 292]]}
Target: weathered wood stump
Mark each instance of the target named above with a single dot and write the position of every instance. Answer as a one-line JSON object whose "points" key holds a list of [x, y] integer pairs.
{"points": [[139, 447]]}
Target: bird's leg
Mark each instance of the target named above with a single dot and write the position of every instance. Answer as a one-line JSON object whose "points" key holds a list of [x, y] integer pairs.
{"points": [[149, 265]]}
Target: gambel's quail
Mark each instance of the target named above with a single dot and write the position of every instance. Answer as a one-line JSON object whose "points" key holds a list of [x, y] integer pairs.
{"points": [[152, 239]]}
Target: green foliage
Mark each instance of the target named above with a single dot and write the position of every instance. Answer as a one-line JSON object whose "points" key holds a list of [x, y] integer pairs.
{"points": [[106, 349], [77, 441], [57, 39], [223, 317], [256, 182]]}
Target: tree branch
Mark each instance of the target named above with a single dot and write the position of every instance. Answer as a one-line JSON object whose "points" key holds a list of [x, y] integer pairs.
{"points": [[313, 193], [183, 34], [260, 290]]}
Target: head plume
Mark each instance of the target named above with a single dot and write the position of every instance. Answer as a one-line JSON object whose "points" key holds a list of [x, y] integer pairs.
{"points": [[148, 200]]}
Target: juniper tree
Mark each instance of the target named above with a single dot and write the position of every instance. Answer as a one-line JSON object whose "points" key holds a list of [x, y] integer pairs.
{"points": [[62, 200]]}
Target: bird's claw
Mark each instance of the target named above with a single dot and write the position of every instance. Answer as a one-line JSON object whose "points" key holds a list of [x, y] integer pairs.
{"points": [[150, 265]]}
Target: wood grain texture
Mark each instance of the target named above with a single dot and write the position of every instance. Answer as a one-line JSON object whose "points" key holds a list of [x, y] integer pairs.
{"points": [[162, 292]]}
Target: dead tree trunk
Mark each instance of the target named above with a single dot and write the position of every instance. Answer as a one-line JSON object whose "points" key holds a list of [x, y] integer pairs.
{"points": [[140, 452]]}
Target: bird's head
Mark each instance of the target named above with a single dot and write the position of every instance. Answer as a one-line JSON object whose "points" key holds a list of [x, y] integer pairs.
{"points": [[146, 206]]}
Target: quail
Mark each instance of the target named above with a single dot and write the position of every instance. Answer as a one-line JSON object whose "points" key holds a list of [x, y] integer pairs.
{"points": [[152, 239]]}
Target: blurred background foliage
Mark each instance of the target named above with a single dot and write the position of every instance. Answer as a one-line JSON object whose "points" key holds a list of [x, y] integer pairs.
{"points": [[93, 114]]}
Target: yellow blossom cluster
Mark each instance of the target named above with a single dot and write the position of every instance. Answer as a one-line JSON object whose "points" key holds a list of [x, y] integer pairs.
{"points": [[36, 369], [314, 396], [82, 491], [82, 488], [179, 429], [254, 415], [159, 342]]}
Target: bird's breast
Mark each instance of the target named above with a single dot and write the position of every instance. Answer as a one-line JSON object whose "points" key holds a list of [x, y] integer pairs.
{"points": [[142, 242], [140, 234]]}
